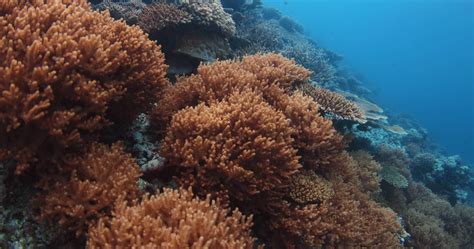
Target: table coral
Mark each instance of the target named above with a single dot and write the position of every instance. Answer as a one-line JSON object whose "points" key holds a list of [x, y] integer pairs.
{"points": [[334, 104], [66, 73], [173, 219]]}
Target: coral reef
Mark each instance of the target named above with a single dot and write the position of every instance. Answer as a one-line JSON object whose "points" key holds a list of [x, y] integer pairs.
{"points": [[158, 16], [222, 138], [211, 14], [238, 150], [128, 11], [266, 140], [446, 176], [307, 187], [96, 181], [290, 25], [214, 82], [368, 171], [340, 221], [334, 104], [78, 72], [173, 219]]}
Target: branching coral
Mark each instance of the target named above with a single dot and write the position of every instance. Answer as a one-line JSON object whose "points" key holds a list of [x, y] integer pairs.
{"points": [[368, 171], [173, 219], [434, 223], [216, 81], [274, 77], [158, 16], [96, 181], [348, 219], [334, 104], [65, 73], [239, 149]]}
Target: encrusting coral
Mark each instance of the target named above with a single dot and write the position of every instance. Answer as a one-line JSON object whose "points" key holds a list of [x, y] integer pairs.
{"points": [[173, 219], [239, 150], [67, 72], [334, 104], [94, 182]]}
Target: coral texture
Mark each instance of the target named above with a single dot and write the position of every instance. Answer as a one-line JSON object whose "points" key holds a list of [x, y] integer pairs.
{"points": [[128, 11], [158, 16], [274, 77], [96, 181], [210, 13], [66, 72], [173, 219], [307, 187], [334, 104], [216, 81], [239, 149], [368, 171], [348, 220]]}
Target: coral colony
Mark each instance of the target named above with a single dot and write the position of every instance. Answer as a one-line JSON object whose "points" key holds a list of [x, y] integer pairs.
{"points": [[205, 124]]}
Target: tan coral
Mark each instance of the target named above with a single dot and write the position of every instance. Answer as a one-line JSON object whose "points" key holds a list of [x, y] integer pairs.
{"points": [[334, 104], [368, 171], [307, 187], [67, 72], [95, 182], [173, 219], [211, 14]]}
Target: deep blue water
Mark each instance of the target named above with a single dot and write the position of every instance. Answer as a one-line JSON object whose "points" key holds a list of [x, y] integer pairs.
{"points": [[417, 55]]}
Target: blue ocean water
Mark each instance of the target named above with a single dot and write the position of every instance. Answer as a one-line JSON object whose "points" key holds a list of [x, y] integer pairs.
{"points": [[417, 56]]}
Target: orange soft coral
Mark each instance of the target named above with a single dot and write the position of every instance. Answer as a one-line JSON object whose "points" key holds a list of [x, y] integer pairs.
{"points": [[66, 72], [96, 181], [173, 219], [216, 81], [239, 149]]}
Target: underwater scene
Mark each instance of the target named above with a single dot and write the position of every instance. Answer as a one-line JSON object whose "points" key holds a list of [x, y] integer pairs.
{"points": [[237, 124]]}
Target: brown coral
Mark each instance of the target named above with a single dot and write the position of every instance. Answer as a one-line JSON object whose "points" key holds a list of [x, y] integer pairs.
{"points": [[334, 104], [96, 181], [158, 16], [347, 220], [215, 81], [239, 149], [368, 171], [307, 187], [173, 219], [65, 73]]}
